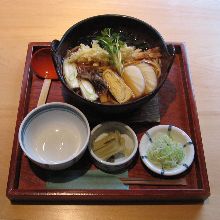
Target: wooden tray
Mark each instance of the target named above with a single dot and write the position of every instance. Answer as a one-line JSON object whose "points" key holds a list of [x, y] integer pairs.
{"points": [[27, 182]]}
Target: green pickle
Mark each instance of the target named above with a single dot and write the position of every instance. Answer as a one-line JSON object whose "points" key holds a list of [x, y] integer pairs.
{"points": [[110, 145], [165, 152]]}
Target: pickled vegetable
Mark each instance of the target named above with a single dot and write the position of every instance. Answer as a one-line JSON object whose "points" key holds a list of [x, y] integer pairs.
{"points": [[166, 152], [110, 145]]}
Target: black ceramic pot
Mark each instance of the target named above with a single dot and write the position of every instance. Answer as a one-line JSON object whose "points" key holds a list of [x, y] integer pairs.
{"points": [[138, 33]]}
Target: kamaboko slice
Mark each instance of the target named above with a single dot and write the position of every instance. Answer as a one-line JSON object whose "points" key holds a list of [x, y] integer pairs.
{"points": [[134, 80], [150, 77]]}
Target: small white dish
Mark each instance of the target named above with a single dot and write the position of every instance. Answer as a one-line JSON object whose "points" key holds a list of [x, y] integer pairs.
{"points": [[178, 135], [120, 163], [54, 135]]}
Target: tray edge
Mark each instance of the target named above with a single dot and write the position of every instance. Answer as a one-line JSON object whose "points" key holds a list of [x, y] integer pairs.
{"points": [[15, 195]]}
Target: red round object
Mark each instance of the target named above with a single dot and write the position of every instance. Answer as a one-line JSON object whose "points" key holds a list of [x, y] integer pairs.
{"points": [[42, 64]]}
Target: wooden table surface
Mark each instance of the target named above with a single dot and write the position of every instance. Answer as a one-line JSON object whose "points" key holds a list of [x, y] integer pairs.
{"points": [[194, 22]]}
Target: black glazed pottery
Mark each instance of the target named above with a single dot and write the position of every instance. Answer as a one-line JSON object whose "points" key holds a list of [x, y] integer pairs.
{"points": [[139, 34]]}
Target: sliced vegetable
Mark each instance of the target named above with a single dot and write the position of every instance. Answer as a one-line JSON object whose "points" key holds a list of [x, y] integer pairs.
{"points": [[70, 74], [165, 152], [87, 90]]}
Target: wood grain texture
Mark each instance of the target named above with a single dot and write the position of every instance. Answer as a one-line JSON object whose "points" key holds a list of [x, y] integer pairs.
{"points": [[194, 22], [44, 92]]}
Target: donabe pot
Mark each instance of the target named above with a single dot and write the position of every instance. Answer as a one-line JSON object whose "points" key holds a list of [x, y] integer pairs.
{"points": [[138, 33]]}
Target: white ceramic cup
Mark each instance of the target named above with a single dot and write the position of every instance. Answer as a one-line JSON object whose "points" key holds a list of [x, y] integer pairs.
{"points": [[55, 135]]}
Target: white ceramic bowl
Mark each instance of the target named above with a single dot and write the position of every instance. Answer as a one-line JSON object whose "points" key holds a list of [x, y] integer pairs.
{"points": [[54, 135], [178, 135], [120, 163]]}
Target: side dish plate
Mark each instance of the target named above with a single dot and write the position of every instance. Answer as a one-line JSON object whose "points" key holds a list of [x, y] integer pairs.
{"points": [[177, 135]]}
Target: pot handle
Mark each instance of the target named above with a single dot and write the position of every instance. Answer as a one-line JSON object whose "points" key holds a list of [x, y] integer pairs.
{"points": [[57, 60], [171, 49], [171, 54], [54, 45]]}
